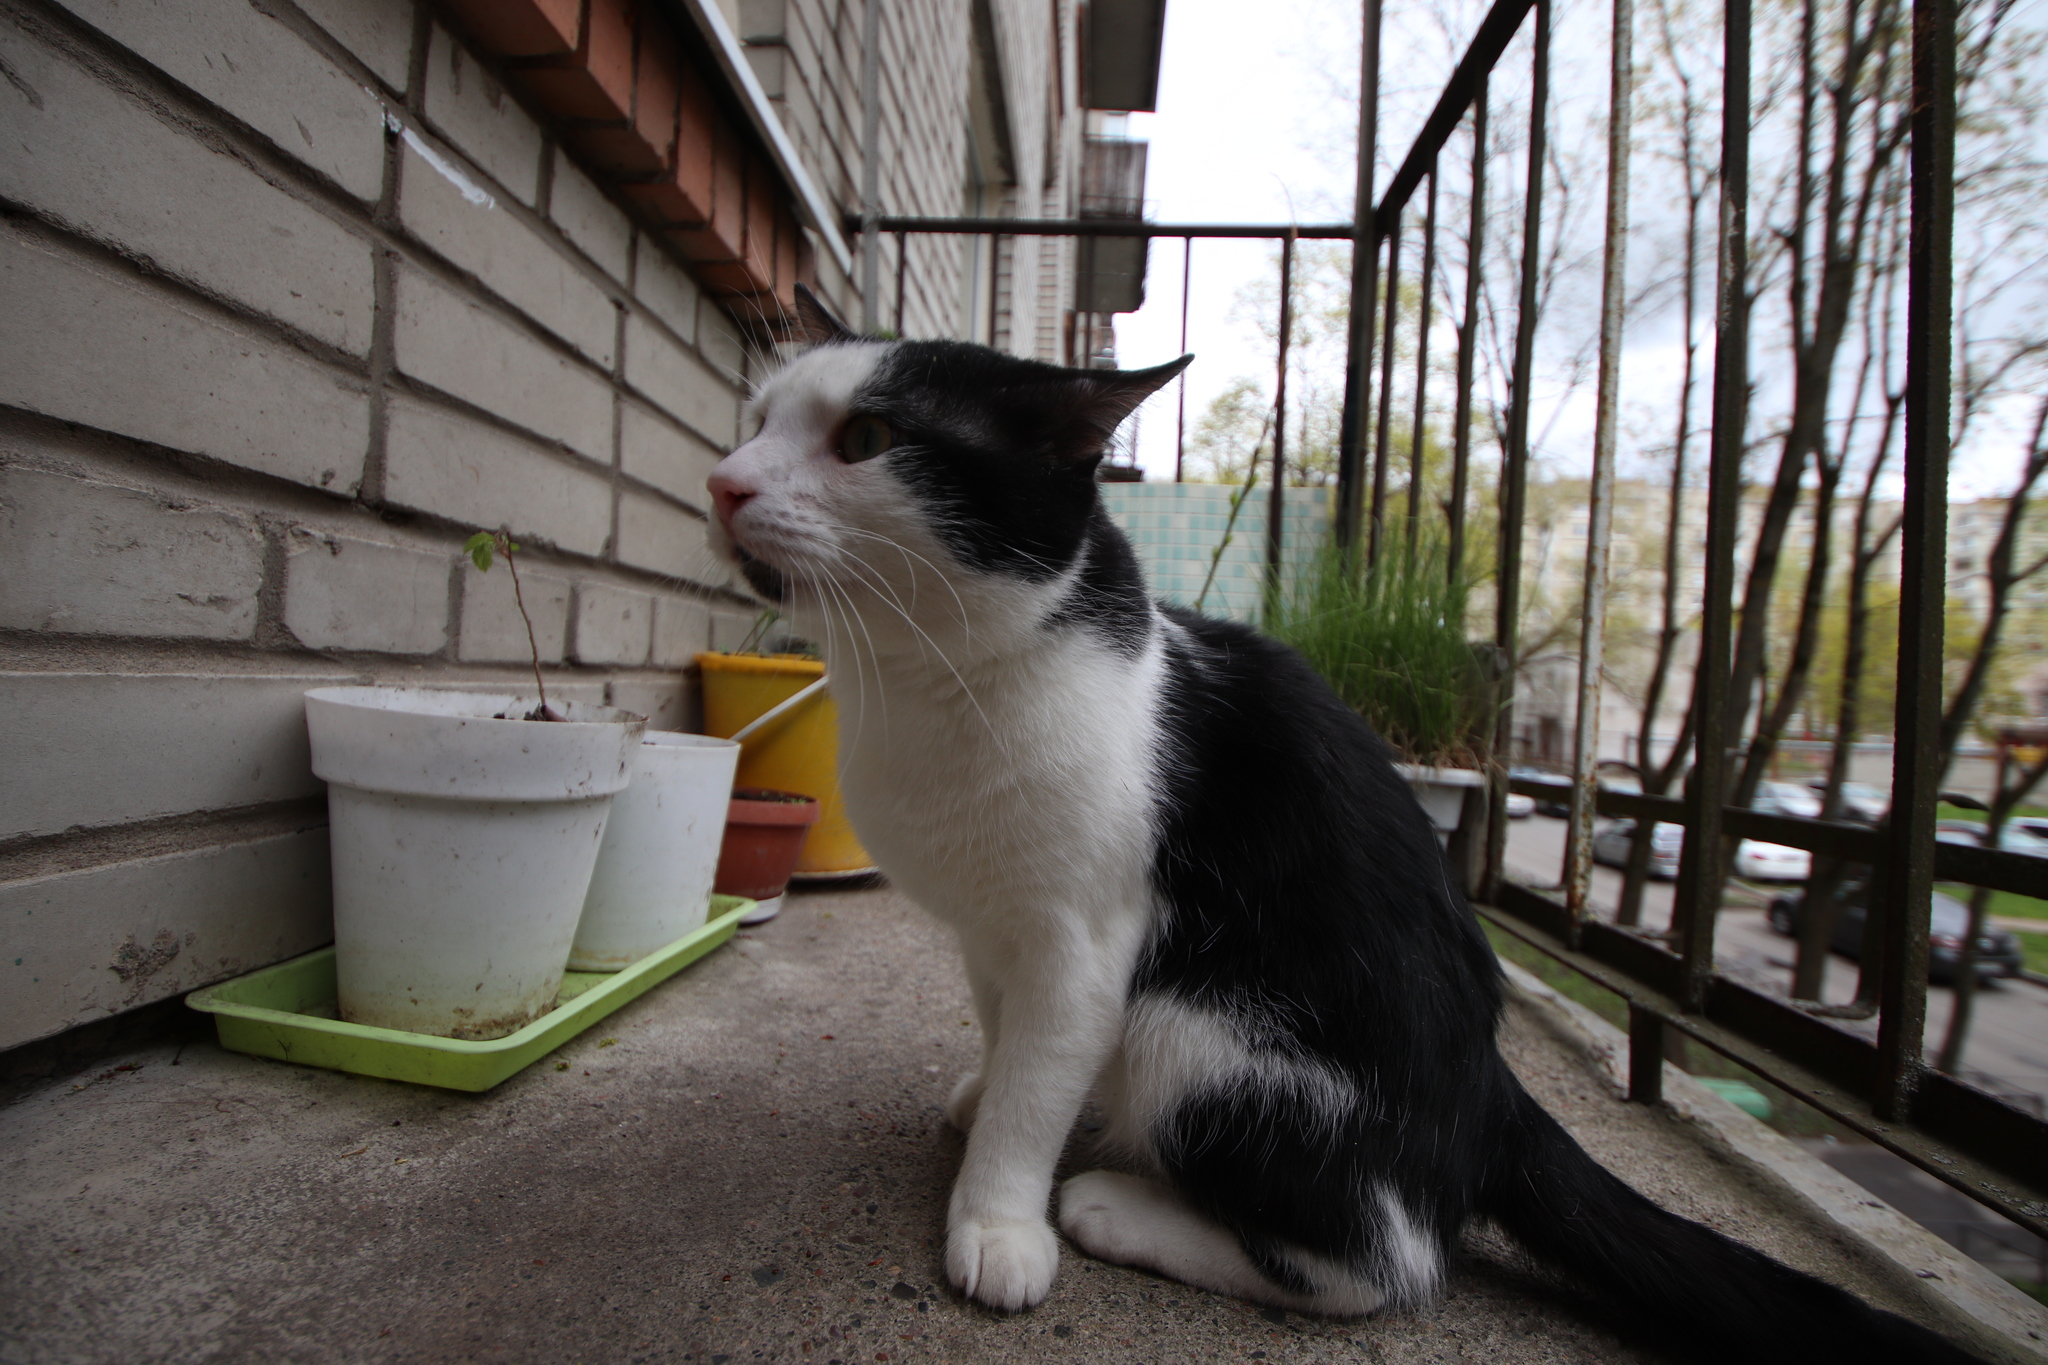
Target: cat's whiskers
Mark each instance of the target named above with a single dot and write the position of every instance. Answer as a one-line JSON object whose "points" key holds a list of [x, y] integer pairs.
{"points": [[850, 613], [966, 623]]}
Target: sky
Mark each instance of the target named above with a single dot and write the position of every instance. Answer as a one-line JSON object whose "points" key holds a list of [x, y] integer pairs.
{"points": [[1256, 123]]}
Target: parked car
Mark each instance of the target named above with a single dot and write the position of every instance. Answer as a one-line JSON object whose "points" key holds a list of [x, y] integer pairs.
{"points": [[1753, 859], [1520, 807], [1764, 862], [1559, 806], [1667, 841], [1861, 802], [1785, 798], [1998, 952], [2011, 839]]}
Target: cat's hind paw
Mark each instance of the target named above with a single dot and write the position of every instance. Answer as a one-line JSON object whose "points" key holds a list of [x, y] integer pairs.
{"points": [[1007, 1265], [964, 1101]]}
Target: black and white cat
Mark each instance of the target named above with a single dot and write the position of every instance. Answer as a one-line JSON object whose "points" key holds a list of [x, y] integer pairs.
{"points": [[1185, 878]]}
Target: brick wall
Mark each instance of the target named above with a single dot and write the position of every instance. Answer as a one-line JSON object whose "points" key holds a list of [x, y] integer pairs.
{"points": [[297, 296]]}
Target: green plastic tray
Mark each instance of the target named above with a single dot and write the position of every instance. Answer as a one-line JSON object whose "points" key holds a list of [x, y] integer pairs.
{"points": [[287, 1012]]}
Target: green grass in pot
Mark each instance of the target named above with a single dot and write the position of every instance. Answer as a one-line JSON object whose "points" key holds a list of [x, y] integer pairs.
{"points": [[1391, 640]]}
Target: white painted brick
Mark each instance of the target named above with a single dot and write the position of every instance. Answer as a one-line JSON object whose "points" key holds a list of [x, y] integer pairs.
{"points": [[680, 382], [89, 558], [378, 32], [682, 631], [663, 454], [105, 165], [94, 345], [84, 945], [720, 342], [612, 625], [443, 462], [656, 534], [262, 73], [466, 104], [660, 284], [669, 703], [590, 220], [493, 630], [93, 749], [344, 593], [466, 350], [489, 242]]}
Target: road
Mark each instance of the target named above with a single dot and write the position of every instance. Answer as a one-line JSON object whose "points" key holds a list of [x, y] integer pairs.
{"points": [[2008, 1043]]}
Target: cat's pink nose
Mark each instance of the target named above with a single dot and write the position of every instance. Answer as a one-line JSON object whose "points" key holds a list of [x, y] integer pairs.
{"points": [[728, 495]]}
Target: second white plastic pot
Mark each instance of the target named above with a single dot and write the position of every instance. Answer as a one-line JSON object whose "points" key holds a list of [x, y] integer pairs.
{"points": [[653, 879], [463, 842]]}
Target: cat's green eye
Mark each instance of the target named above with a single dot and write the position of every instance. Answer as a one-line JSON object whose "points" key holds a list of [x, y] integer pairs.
{"points": [[864, 438]]}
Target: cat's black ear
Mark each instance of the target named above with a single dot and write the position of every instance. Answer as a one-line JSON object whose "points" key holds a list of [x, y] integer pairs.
{"points": [[1097, 402], [814, 321]]}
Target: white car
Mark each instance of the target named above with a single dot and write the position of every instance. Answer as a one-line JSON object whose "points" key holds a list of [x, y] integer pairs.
{"points": [[1785, 798], [1611, 844], [1762, 862], [1520, 807]]}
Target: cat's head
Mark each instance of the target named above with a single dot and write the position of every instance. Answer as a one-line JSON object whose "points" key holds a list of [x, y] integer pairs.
{"points": [[916, 474]]}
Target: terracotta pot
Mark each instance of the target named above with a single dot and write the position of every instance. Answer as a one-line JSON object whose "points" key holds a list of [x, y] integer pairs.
{"points": [[764, 836]]}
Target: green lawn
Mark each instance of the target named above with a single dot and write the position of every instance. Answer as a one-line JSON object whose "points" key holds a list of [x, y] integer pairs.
{"points": [[1945, 811]]}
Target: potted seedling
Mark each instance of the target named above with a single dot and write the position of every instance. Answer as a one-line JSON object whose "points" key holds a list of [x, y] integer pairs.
{"points": [[464, 828]]}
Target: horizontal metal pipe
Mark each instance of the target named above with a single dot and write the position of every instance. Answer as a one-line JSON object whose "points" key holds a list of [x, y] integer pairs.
{"points": [[1112, 227]]}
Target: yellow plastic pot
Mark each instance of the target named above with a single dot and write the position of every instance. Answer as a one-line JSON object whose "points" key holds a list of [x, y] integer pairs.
{"points": [[798, 751]]}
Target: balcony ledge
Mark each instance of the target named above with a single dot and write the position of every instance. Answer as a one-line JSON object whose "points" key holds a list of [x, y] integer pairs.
{"points": [[702, 1188]]}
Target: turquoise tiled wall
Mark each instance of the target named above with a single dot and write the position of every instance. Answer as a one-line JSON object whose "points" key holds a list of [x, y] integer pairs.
{"points": [[1175, 528]]}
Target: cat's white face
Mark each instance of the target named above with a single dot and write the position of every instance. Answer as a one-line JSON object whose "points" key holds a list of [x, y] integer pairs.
{"points": [[906, 494]]}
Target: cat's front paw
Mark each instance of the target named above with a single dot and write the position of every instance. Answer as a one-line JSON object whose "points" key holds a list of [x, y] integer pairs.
{"points": [[965, 1100], [1007, 1265]]}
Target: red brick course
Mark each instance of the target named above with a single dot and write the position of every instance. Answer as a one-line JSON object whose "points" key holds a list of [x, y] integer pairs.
{"points": [[643, 115]]}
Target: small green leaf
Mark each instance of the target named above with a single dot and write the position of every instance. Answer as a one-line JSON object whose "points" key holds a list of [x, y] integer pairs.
{"points": [[478, 547]]}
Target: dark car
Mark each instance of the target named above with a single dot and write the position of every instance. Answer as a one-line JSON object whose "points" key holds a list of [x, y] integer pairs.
{"points": [[1998, 952], [1557, 804]]}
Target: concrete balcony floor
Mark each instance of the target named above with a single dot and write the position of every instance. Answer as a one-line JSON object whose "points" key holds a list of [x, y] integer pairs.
{"points": [[755, 1169]]}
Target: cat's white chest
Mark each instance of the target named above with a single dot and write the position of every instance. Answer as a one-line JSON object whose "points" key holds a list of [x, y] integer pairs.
{"points": [[1018, 783]]}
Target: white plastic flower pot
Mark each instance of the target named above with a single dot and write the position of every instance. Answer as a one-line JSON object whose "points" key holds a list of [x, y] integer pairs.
{"points": [[653, 879], [463, 845], [1441, 792]]}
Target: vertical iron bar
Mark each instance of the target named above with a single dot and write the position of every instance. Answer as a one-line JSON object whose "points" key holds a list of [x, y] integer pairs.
{"points": [[1364, 286], [1381, 453], [1578, 848], [1515, 459], [1276, 501], [902, 256], [1645, 1055], [1908, 866], [1696, 899], [1180, 428], [1415, 442], [1468, 337]]}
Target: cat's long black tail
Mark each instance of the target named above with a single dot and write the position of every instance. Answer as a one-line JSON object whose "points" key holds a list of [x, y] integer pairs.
{"points": [[1684, 1282]]}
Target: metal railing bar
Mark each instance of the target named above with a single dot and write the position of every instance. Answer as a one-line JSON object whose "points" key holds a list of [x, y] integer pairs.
{"points": [[1466, 83], [1514, 477], [1907, 869], [1468, 337], [1180, 425], [2015, 1193], [1382, 453], [1111, 227], [2022, 874], [1358, 338], [1276, 504], [1415, 442], [1698, 898]]}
